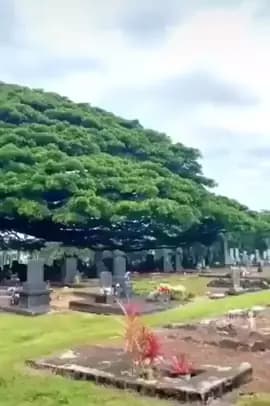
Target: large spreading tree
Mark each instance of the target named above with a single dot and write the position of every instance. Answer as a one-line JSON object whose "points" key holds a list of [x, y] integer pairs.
{"points": [[78, 174]]}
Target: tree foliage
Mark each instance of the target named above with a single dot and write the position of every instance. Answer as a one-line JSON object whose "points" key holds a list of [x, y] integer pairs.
{"points": [[70, 166]]}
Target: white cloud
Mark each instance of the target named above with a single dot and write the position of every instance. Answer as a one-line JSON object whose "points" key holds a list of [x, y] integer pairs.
{"points": [[196, 69]]}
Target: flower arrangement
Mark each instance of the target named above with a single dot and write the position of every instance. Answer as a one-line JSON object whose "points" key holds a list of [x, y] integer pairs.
{"points": [[168, 292], [164, 290]]}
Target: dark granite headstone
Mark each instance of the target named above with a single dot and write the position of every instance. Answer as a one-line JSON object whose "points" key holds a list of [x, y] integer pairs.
{"points": [[69, 270], [99, 263], [119, 268], [35, 295], [165, 255], [178, 259], [106, 280]]}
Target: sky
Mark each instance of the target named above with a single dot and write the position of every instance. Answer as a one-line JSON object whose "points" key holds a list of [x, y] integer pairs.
{"points": [[195, 69]]}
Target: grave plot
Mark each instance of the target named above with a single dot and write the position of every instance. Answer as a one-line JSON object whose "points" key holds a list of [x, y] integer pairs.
{"points": [[106, 300], [242, 330], [102, 304], [242, 333], [246, 283], [228, 341], [157, 363], [111, 366], [236, 283]]}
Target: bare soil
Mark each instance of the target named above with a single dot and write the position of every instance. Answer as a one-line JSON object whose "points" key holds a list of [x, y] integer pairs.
{"points": [[221, 344]]}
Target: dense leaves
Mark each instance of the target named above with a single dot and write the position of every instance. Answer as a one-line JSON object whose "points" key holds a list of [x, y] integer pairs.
{"points": [[71, 165]]}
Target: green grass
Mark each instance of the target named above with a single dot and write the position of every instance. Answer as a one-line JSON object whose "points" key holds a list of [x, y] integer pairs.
{"points": [[194, 284], [256, 400], [23, 338]]}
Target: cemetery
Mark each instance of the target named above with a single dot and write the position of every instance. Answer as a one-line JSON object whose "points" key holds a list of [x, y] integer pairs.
{"points": [[167, 361], [28, 290], [119, 265], [173, 366]]}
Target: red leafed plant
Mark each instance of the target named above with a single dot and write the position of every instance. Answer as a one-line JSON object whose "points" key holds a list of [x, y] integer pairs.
{"points": [[132, 331], [151, 346], [144, 346], [181, 366], [141, 343]]}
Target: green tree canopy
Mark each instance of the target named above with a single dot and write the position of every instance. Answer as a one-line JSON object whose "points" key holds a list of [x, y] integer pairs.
{"points": [[66, 167]]}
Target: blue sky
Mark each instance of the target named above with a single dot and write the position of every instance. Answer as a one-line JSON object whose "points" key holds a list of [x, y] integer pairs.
{"points": [[195, 69]]}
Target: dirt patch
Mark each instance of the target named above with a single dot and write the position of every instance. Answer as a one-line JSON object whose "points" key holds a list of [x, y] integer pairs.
{"points": [[226, 343], [60, 298]]}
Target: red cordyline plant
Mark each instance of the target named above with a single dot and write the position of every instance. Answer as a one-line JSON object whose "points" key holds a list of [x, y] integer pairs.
{"points": [[141, 343], [150, 346], [180, 366]]}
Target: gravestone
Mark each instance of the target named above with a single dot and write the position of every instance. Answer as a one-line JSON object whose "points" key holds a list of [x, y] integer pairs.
{"points": [[106, 282], [119, 268], [69, 270], [178, 259], [225, 249], [100, 266], [237, 255], [167, 261], [236, 275], [35, 295], [107, 258], [257, 256], [164, 255], [245, 258], [105, 279], [252, 259], [232, 255], [128, 292]]}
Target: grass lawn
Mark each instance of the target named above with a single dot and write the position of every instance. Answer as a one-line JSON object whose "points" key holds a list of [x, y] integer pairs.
{"points": [[193, 283], [23, 338]]}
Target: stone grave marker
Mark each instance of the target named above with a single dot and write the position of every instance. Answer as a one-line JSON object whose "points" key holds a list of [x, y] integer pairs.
{"points": [[167, 261], [236, 275], [106, 282], [128, 285], [226, 254], [237, 255], [165, 255], [100, 266], [35, 295], [231, 251], [69, 270], [119, 268], [178, 259], [245, 258], [257, 256]]}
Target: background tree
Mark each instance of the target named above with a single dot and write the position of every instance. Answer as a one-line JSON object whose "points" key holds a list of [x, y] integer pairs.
{"points": [[79, 174]]}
